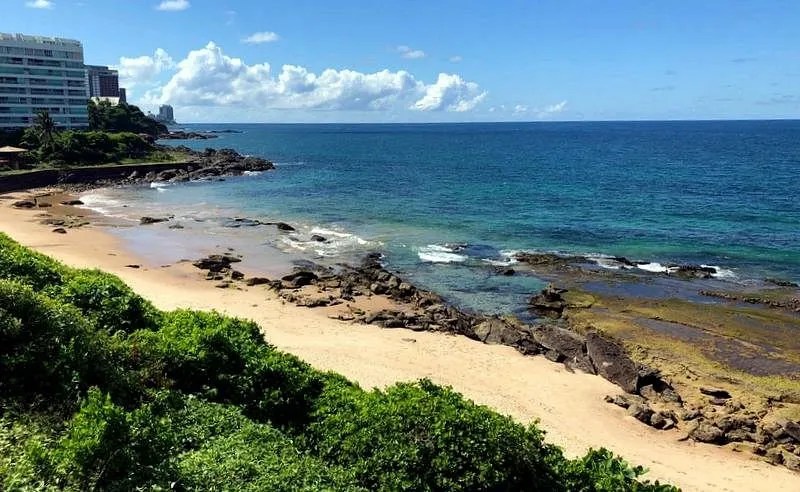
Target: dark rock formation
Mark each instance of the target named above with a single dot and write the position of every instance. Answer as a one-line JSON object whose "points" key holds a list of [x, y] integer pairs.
{"points": [[216, 263], [704, 432], [152, 220], [715, 392], [548, 302], [611, 362], [283, 226], [298, 279], [570, 345], [24, 204], [548, 259], [183, 135], [692, 271], [318, 238], [253, 281], [72, 203], [60, 230]]}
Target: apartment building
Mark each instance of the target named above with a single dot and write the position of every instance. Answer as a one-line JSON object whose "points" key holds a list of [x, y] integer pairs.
{"points": [[39, 73], [103, 81]]}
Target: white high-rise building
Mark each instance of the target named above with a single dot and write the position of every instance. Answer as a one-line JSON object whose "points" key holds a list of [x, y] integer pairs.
{"points": [[40, 73]]}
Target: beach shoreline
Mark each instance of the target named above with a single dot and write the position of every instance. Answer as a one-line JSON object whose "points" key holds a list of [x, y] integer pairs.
{"points": [[569, 406]]}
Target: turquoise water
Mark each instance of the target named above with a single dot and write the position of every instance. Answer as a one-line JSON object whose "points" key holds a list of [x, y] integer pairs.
{"points": [[445, 202]]}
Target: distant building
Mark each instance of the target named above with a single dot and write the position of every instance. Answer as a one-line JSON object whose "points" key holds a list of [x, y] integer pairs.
{"points": [[123, 95], [166, 114], [103, 82], [39, 73]]}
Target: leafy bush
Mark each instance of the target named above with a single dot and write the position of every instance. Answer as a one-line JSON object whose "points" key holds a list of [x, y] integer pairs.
{"points": [[27, 267], [46, 347], [227, 360], [424, 437], [601, 471], [227, 451], [108, 302], [107, 448]]}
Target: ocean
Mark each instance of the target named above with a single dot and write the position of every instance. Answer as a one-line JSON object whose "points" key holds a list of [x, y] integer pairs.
{"points": [[447, 204]]}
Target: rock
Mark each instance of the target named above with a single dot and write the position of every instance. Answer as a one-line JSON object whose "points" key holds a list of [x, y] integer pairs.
{"points": [[774, 456], [568, 343], [318, 238], [152, 220], [548, 302], [176, 226], [781, 283], [717, 401], [790, 428], [237, 275], [72, 203], [790, 397], [283, 226], [253, 281], [548, 259], [393, 283], [377, 288], [692, 271], [60, 230], [216, 263], [610, 361], [658, 420], [624, 401], [45, 205], [791, 462], [715, 392], [508, 272], [299, 279], [224, 284], [497, 331], [739, 435], [707, 433], [24, 204], [641, 412], [135, 267], [405, 288], [688, 414]]}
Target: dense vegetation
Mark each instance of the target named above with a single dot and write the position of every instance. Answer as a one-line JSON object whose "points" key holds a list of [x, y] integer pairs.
{"points": [[120, 133], [101, 391]]}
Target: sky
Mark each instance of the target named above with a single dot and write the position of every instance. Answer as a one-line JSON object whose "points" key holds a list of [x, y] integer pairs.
{"points": [[438, 60]]}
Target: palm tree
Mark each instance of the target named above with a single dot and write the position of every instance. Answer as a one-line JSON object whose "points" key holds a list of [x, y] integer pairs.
{"points": [[45, 127]]}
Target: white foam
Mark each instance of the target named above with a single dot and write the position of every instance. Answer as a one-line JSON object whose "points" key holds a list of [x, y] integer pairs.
{"points": [[501, 263], [158, 185], [722, 273], [99, 203], [434, 253], [652, 267], [607, 262], [251, 173]]}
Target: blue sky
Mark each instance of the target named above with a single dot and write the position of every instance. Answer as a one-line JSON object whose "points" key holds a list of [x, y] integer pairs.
{"points": [[439, 60]]}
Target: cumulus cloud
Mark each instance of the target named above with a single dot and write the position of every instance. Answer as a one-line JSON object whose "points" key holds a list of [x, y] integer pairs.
{"points": [[209, 77], [552, 110], [143, 69], [40, 4], [450, 93], [173, 5], [520, 108], [407, 52], [261, 37]]}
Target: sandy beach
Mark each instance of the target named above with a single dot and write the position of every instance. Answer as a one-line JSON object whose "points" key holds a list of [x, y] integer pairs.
{"points": [[569, 406]]}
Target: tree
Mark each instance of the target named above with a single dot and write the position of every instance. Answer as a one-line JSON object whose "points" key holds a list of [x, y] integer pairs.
{"points": [[45, 127]]}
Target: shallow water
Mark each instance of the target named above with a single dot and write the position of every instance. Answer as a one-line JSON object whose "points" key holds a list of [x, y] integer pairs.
{"points": [[447, 203]]}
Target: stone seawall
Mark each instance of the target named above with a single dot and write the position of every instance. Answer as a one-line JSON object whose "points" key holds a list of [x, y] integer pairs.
{"points": [[52, 177]]}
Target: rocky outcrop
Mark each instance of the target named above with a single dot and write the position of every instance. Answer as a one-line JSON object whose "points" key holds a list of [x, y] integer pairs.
{"points": [[791, 304], [152, 220], [548, 259], [24, 204], [548, 302], [183, 135], [611, 362]]}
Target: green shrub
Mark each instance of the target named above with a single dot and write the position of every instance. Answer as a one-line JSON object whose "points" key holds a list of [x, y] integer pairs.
{"points": [[107, 448], [424, 437], [601, 471], [23, 441], [25, 266], [227, 360], [106, 301], [227, 451]]}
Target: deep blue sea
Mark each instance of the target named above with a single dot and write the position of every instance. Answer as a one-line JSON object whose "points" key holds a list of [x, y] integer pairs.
{"points": [[447, 202]]}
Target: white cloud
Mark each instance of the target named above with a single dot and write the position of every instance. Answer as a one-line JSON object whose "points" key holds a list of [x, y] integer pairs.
{"points": [[40, 4], [551, 110], [143, 69], [520, 108], [173, 5], [455, 58], [409, 53], [450, 93], [261, 37], [209, 78]]}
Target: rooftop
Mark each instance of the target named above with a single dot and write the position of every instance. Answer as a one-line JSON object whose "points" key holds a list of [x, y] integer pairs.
{"points": [[40, 39]]}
